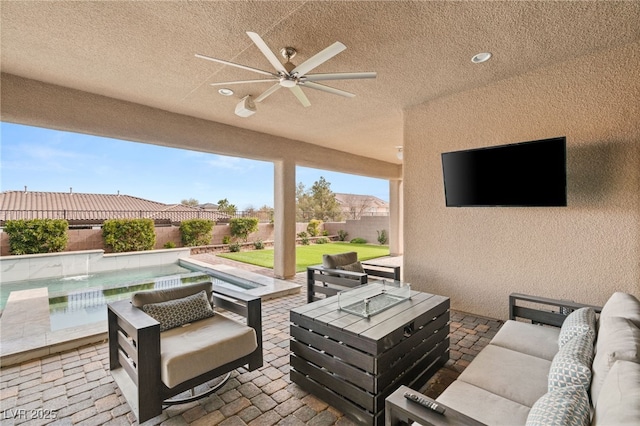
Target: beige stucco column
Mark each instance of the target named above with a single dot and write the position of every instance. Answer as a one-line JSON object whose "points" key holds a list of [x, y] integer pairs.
{"points": [[284, 263], [395, 218]]}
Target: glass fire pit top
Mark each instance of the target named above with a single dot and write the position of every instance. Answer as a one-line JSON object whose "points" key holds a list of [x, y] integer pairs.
{"points": [[372, 298]]}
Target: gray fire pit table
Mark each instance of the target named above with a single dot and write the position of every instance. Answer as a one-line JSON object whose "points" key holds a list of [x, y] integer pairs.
{"points": [[353, 362]]}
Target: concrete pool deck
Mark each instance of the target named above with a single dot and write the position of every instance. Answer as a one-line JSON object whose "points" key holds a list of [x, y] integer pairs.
{"points": [[25, 329]]}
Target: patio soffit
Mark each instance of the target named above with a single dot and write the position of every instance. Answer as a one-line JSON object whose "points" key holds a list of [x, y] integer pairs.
{"points": [[143, 52]]}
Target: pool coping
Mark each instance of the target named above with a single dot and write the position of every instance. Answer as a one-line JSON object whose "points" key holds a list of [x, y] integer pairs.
{"points": [[25, 330]]}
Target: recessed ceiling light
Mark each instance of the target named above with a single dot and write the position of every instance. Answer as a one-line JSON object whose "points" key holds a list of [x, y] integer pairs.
{"points": [[225, 92], [481, 57]]}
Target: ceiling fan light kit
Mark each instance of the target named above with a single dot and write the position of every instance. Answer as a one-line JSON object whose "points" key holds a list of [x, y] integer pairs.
{"points": [[289, 75], [246, 107]]}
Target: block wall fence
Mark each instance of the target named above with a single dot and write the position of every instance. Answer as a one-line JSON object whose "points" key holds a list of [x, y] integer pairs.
{"points": [[91, 239]]}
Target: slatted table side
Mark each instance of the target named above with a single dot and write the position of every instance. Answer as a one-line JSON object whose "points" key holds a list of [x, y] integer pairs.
{"points": [[336, 348], [439, 325], [411, 325]]}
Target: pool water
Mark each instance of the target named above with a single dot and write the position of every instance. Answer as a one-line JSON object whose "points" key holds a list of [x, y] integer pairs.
{"points": [[86, 306], [80, 300], [119, 278]]}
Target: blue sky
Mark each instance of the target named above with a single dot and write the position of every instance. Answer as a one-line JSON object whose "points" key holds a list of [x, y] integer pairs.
{"points": [[53, 161]]}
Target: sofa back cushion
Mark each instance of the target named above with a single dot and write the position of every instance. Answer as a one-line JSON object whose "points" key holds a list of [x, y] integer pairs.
{"points": [[618, 403], [618, 339], [622, 305]]}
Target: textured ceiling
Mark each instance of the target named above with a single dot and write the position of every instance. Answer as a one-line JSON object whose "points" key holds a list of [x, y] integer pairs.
{"points": [[143, 52]]}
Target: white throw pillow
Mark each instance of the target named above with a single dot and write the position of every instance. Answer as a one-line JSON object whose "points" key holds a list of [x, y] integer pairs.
{"points": [[568, 406], [572, 364], [578, 322]]}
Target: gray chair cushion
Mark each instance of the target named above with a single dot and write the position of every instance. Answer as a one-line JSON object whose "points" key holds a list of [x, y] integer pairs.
{"points": [[142, 298], [332, 261], [187, 352]]}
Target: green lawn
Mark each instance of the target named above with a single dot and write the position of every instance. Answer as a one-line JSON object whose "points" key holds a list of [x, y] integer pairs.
{"points": [[308, 255]]}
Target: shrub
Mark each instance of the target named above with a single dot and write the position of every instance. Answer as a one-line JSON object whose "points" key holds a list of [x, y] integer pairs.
{"points": [[241, 227], [342, 235], [196, 232], [226, 239], [304, 238], [37, 235], [121, 235], [358, 241], [325, 233], [258, 244], [169, 245], [382, 236], [234, 247], [322, 240], [313, 228]]}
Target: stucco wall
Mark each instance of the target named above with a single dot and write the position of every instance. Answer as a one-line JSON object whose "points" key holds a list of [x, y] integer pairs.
{"points": [[585, 251]]}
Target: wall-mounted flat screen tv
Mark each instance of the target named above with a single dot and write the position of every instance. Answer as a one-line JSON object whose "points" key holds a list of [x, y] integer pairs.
{"points": [[530, 174]]}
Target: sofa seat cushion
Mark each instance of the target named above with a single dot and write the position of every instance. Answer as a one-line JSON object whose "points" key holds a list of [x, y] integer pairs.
{"points": [[187, 352], [510, 374], [530, 339], [483, 405], [619, 400], [618, 339]]}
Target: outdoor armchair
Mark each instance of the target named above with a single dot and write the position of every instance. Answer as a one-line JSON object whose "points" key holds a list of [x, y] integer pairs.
{"points": [[163, 343], [343, 271]]}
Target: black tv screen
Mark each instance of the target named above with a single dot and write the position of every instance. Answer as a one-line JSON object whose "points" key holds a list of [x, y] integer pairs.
{"points": [[532, 174]]}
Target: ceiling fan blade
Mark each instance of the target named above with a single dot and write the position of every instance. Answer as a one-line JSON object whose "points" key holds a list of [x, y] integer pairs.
{"points": [[226, 83], [297, 91], [327, 89], [268, 53], [233, 64], [268, 92], [319, 58], [338, 76]]}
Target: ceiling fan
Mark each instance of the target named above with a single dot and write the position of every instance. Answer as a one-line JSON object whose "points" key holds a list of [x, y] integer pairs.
{"points": [[291, 76]]}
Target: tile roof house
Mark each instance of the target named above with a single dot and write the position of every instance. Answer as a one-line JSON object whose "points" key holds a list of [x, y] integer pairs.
{"points": [[355, 206], [93, 209]]}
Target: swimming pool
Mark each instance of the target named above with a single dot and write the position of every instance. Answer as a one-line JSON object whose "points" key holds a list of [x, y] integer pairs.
{"points": [[82, 299]]}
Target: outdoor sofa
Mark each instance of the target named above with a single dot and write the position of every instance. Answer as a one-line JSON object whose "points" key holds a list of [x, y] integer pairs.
{"points": [[558, 368]]}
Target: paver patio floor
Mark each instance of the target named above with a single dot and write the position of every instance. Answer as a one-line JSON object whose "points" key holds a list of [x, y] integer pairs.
{"points": [[77, 387]]}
